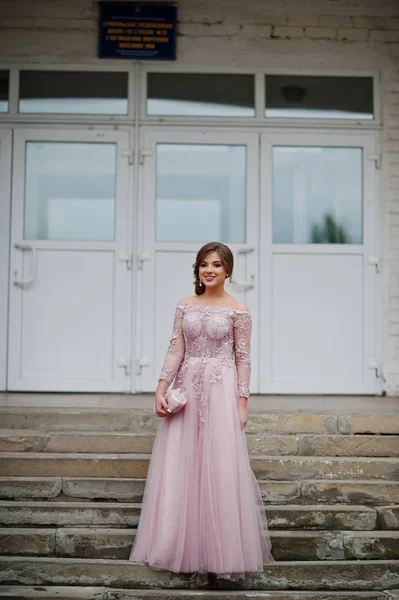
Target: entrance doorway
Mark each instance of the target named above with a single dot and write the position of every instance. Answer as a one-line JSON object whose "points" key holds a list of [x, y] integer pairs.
{"points": [[319, 270], [298, 209], [69, 289]]}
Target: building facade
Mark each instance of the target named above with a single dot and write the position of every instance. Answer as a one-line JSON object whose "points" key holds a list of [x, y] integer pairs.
{"points": [[276, 131]]}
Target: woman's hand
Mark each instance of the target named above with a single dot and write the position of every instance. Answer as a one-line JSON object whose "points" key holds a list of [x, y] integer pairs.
{"points": [[161, 404], [243, 411]]}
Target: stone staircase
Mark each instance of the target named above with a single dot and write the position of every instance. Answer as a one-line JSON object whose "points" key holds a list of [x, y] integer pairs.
{"points": [[72, 479]]}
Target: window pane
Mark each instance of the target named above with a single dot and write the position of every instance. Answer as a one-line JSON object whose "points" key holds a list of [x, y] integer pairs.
{"points": [[73, 92], [317, 195], [70, 191], [200, 94], [201, 193], [4, 85], [319, 97]]}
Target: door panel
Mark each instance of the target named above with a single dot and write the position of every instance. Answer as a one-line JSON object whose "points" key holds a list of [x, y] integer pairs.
{"points": [[5, 204], [197, 187], [70, 282], [318, 214], [317, 304]]}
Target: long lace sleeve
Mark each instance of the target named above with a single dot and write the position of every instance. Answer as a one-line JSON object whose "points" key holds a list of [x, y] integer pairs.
{"points": [[175, 353], [242, 350]]}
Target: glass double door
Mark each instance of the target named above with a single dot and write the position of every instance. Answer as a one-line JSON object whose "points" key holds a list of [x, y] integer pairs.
{"points": [[299, 212]]}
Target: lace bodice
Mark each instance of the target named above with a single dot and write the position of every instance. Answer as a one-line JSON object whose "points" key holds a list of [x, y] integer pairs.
{"points": [[210, 333]]}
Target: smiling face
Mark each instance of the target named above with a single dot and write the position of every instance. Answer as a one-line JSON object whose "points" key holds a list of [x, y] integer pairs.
{"points": [[214, 262], [212, 271]]}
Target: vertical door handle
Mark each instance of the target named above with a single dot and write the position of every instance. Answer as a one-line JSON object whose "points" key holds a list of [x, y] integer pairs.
{"points": [[247, 285], [22, 282]]}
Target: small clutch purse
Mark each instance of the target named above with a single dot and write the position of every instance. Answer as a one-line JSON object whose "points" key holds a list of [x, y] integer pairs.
{"points": [[176, 399]]}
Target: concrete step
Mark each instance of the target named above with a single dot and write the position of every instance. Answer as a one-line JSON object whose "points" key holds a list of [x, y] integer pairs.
{"points": [[365, 575], [117, 543], [136, 420], [375, 492], [298, 468], [104, 442], [108, 514], [388, 517], [79, 419], [12, 440], [291, 468], [90, 593], [69, 514], [73, 465]]}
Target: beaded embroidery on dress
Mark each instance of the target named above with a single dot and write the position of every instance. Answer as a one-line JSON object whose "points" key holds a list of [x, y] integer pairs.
{"points": [[202, 509]]}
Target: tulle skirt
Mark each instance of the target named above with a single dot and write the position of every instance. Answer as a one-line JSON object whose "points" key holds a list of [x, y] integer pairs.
{"points": [[202, 509]]}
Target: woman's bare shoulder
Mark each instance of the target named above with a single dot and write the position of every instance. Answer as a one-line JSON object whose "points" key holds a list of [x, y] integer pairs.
{"points": [[241, 306], [236, 305], [188, 300]]}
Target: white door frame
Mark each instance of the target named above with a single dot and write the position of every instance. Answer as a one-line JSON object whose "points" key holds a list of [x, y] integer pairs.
{"points": [[120, 248], [372, 281], [248, 252], [5, 211]]}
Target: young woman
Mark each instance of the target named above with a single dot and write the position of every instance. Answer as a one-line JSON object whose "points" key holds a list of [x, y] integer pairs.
{"points": [[202, 509]]}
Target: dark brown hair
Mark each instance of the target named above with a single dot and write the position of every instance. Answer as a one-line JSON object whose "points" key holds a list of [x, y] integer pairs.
{"points": [[226, 258]]}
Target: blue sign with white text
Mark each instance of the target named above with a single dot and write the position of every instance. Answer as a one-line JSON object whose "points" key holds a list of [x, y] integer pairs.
{"points": [[137, 31]]}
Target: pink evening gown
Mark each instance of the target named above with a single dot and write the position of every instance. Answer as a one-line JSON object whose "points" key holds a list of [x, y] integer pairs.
{"points": [[202, 509]]}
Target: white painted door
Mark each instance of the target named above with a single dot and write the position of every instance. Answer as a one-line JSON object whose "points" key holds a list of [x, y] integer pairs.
{"points": [[69, 298], [319, 277], [197, 187], [5, 204]]}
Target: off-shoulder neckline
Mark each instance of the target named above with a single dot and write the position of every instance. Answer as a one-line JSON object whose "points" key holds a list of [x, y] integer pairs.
{"points": [[239, 310]]}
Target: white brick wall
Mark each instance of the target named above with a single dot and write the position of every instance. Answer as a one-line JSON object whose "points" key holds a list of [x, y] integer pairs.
{"points": [[311, 34]]}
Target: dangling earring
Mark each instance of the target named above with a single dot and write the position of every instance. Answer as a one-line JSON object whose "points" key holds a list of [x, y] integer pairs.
{"points": [[200, 283]]}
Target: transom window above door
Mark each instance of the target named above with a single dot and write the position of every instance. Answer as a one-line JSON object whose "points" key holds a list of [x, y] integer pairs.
{"points": [[165, 93], [73, 92], [201, 94], [319, 97]]}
